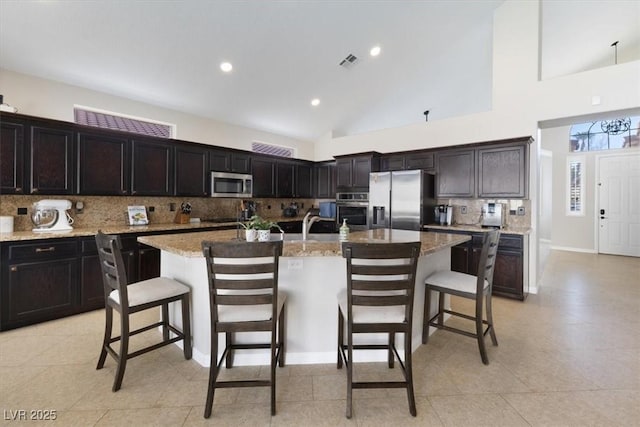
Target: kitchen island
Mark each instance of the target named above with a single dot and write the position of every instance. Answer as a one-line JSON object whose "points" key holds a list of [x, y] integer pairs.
{"points": [[312, 273]]}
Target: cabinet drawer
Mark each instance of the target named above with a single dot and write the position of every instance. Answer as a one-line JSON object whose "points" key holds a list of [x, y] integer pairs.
{"points": [[506, 242], [45, 249]]}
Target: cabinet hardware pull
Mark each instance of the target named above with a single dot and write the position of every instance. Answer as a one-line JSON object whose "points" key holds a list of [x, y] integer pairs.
{"points": [[14, 268], [18, 189], [34, 190], [49, 249]]}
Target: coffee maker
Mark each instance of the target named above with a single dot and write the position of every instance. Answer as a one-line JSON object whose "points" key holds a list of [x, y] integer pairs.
{"points": [[492, 215], [443, 214], [248, 210], [51, 216]]}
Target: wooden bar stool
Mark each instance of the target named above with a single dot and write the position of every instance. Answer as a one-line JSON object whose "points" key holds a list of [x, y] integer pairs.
{"points": [[244, 297], [128, 298], [477, 288], [378, 299]]}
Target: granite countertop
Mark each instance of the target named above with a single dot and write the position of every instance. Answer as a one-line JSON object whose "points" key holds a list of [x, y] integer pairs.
{"points": [[124, 229], [522, 231], [189, 244]]}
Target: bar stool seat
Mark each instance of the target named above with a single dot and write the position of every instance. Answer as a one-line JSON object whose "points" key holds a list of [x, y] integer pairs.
{"points": [[150, 290], [455, 282]]}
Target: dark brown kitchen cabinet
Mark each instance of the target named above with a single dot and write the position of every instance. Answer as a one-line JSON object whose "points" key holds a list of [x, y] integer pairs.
{"points": [[191, 170], [103, 164], [407, 160], [285, 179], [304, 180], [424, 161], [39, 281], [51, 159], [460, 257], [326, 180], [151, 167], [12, 156], [455, 175], [502, 172], [148, 262], [392, 162], [229, 161], [264, 177], [353, 171]]}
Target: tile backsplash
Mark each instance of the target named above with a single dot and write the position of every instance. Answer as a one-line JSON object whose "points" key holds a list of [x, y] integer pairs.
{"points": [[474, 211], [112, 210]]}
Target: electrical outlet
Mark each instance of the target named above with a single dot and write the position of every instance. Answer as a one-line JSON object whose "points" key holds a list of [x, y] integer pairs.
{"points": [[152, 208], [294, 264], [281, 205], [520, 210], [463, 210], [22, 211], [172, 207]]}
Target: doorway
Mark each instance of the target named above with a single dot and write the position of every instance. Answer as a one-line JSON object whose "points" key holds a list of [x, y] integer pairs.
{"points": [[618, 207]]}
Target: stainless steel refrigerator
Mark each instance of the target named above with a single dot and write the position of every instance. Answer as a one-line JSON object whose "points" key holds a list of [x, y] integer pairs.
{"points": [[401, 199]]}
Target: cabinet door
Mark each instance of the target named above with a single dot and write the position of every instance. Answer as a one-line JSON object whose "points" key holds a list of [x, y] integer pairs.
{"points": [[420, 161], [191, 171], [304, 181], [11, 157], [40, 290], [502, 172], [456, 174], [326, 181], [151, 168], [395, 162], [240, 163], [285, 179], [103, 164], [460, 257], [148, 262], [51, 160], [263, 177], [344, 168], [361, 171], [91, 283], [219, 161], [507, 275]]}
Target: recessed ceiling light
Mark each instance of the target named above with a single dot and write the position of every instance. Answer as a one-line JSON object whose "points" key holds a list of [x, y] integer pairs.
{"points": [[315, 102], [375, 51], [226, 67]]}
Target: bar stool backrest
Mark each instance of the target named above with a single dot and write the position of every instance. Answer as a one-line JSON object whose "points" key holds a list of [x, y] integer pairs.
{"points": [[114, 275], [487, 262]]}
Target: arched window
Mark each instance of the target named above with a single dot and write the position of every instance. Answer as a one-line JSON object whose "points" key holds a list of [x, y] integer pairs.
{"points": [[605, 134]]}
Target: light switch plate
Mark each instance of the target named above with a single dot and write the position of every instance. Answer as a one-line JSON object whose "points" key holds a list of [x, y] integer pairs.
{"points": [[463, 210], [520, 210]]}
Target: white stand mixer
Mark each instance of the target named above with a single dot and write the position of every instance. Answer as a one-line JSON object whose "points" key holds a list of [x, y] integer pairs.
{"points": [[51, 215]]}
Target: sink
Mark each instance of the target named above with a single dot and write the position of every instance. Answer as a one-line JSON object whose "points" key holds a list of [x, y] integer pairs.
{"points": [[315, 237]]}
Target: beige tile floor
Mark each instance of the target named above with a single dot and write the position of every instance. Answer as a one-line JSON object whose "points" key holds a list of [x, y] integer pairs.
{"points": [[567, 356]]}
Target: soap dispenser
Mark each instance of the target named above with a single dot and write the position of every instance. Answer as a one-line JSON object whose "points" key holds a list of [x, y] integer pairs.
{"points": [[344, 230]]}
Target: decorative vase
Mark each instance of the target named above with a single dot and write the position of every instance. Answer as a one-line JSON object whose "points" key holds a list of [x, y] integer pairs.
{"points": [[264, 235], [251, 235]]}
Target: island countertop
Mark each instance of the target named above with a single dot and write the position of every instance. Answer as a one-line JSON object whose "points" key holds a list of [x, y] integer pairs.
{"points": [[189, 244]]}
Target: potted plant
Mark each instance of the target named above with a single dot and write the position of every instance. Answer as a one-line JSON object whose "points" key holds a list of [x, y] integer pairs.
{"points": [[260, 228]]}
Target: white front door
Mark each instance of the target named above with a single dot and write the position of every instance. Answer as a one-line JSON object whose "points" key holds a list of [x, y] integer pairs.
{"points": [[619, 204]]}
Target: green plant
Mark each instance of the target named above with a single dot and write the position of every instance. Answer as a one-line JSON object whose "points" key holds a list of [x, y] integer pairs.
{"points": [[258, 223]]}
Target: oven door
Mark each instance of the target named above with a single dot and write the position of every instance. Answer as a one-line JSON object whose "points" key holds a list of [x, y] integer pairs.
{"points": [[355, 214]]}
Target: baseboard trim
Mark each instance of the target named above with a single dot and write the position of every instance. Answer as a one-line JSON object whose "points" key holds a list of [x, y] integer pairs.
{"points": [[571, 249]]}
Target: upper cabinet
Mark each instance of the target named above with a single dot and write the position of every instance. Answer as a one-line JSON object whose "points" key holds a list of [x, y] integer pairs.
{"points": [[304, 180], [455, 175], [325, 180], [229, 161], [51, 160], [264, 177], [503, 172], [103, 164], [282, 178], [151, 167], [407, 161], [353, 171], [191, 170], [12, 135]]}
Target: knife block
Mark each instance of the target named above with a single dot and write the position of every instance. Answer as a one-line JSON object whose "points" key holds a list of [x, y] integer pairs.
{"points": [[182, 218]]}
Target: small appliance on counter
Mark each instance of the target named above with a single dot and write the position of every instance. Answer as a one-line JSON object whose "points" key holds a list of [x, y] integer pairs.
{"points": [[492, 215], [248, 210], [290, 211], [443, 214], [51, 216], [327, 209]]}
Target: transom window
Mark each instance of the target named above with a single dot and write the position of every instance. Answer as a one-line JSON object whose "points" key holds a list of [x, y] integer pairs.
{"points": [[109, 120], [606, 134], [274, 150]]}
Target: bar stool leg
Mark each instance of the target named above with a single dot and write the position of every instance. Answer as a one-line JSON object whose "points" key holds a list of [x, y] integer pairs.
{"points": [[124, 351], [427, 315], [107, 336], [229, 343], [186, 327], [409, 372], [281, 337], [479, 332], [165, 322], [340, 337], [390, 355], [492, 332], [213, 374]]}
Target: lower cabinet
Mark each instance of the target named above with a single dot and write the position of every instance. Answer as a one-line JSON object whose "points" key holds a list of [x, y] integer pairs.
{"points": [[47, 279], [508, 274]]}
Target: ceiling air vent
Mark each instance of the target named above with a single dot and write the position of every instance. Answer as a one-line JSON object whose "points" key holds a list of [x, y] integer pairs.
{"points": [[349, 61]]}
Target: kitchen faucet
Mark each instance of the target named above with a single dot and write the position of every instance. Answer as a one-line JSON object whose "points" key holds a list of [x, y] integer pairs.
{"points": [[306, 224]]}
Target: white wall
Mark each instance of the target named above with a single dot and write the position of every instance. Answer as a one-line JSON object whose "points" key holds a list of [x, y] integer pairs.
{"points": [[46, 98]]}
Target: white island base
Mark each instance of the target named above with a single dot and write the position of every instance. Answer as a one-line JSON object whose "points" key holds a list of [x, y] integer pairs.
{"points": [[311, 284]]}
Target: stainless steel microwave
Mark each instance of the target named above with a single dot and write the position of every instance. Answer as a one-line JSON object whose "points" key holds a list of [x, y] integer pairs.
{"points": [[227, 184]]}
